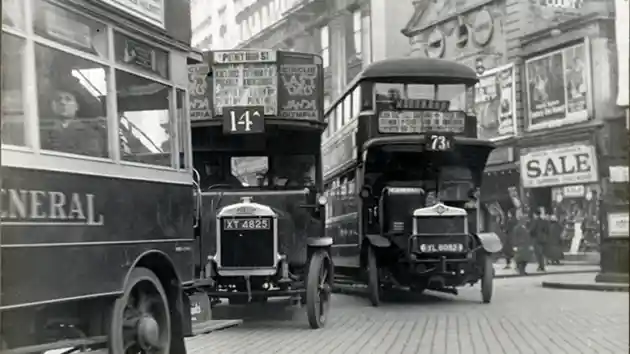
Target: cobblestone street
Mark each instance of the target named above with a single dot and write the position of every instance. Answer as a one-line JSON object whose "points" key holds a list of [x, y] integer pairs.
{"points": [[523, 318]]}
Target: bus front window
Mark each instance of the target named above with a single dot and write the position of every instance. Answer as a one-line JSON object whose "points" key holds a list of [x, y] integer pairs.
{"points": [[455, 94], [293, 171]]}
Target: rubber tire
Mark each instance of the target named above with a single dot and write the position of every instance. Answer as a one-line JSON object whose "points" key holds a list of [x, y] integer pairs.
{"points": [[313, 314], [487, 279], [373, 284], [137, 275]]}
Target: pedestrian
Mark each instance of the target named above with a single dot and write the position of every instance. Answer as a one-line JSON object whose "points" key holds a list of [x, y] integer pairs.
{"points": [[497, 227], [522, 242], [555, 242], [508, 245], [537, 231]]}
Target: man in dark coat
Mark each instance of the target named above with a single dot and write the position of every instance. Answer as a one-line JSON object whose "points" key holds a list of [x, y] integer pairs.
{"points": [[522, 245], [538, 234], [508, 245]]}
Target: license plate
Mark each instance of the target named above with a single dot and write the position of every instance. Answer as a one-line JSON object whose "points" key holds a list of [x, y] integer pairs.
{"points": [[247, 224], [441, 247]]}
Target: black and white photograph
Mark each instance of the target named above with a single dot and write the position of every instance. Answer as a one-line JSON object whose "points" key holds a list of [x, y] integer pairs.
{"points": [[314, 177]]}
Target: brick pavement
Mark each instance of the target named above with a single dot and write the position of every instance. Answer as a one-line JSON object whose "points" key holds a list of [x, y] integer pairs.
{"points": [[523, 318]]}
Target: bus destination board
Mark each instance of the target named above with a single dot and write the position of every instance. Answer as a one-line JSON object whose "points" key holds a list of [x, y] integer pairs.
{"points": [[245, 78], [415, 122]]}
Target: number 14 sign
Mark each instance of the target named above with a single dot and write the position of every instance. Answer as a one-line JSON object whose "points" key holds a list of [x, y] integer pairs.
{"points": [[243, 120], [439, 142]]}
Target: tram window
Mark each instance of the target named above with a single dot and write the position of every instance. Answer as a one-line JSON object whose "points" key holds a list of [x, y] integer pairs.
{"points": [[139, 55], [144, 119], [72, 103], [184, 132], [68, 28], [12, 14], [13, 123]]}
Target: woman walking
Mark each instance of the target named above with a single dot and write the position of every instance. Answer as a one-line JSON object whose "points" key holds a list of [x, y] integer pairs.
{"points": [[523, 245]]}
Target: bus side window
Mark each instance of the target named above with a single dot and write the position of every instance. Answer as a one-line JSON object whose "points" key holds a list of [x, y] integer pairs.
{"points": [[183, 132]]}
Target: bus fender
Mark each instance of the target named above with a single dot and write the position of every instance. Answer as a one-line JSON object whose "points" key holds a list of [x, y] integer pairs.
{"points": [[490, 242], [319, 241], [378, 240]]}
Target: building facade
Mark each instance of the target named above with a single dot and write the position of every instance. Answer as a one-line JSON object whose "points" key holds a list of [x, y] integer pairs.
{"points": [[348, 34], [213, 25], [552, 117]]}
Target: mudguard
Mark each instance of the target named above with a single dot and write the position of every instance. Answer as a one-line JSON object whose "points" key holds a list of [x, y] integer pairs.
{"points": [[378, 240], [490, 242], [319, 241]]}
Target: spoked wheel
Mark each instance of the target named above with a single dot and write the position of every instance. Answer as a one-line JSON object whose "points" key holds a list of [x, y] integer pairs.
{"points": [[373, 283], [318, 290], [141, 321], [487, 279]]}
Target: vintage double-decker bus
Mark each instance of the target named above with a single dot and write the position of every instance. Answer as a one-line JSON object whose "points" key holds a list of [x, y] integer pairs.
{"points": [[402, 170], [256, 142], [97, 187]]}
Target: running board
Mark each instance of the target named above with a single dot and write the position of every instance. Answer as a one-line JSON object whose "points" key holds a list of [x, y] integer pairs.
{"points": [[63, 344]]}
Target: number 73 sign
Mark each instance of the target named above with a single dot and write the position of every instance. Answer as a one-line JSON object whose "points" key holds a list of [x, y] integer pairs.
{"points": [[439, 142], [243, 120]]}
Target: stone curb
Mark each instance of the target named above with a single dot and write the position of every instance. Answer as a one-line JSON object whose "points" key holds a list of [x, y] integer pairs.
{"points": [[540, 274], [586, 286]]}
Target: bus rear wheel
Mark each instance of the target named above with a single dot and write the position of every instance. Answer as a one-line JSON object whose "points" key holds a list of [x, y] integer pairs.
{"points": [[141, 321]]}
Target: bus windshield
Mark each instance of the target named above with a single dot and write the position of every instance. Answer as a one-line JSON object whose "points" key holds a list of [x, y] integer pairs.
{"points": [[278, 171], [455, 94], [449, 177]]}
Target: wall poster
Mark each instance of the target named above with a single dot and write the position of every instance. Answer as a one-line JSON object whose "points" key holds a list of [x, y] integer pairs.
{"points": [[494, 103], [558, 87]]}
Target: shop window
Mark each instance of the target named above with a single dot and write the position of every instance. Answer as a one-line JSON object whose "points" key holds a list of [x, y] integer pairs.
{"points": [[142, 56], [72, 95], [70, 29], [144, 119], [13, 123]]}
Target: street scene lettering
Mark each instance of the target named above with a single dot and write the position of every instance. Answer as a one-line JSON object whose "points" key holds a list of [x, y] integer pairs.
{"points": [[30, 207], [421, 121], [578, 163], [299, 81], [570, 164], [239, 80]]}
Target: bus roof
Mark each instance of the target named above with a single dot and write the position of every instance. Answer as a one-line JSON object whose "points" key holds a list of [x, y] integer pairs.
{"points": [[429, 70]]}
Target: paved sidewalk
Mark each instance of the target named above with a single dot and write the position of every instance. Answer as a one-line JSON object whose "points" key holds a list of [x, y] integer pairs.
{"points": [[569, 268], [582, 282]]}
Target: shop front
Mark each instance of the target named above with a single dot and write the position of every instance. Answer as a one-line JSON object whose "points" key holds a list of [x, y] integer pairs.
{"points": [[563, 180], [500, 188]]}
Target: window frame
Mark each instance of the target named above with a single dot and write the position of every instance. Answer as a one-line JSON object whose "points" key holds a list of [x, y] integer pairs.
{"points": [[32, 156]]}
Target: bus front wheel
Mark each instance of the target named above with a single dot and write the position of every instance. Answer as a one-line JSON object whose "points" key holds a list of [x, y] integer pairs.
{"points": [[140, 319]]}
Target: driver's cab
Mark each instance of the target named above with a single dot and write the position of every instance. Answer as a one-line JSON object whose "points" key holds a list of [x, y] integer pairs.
{"points": [[401, 178]]}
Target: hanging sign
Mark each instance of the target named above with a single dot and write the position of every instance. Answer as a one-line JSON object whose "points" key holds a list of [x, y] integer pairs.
{"points": [[559, 165]]}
